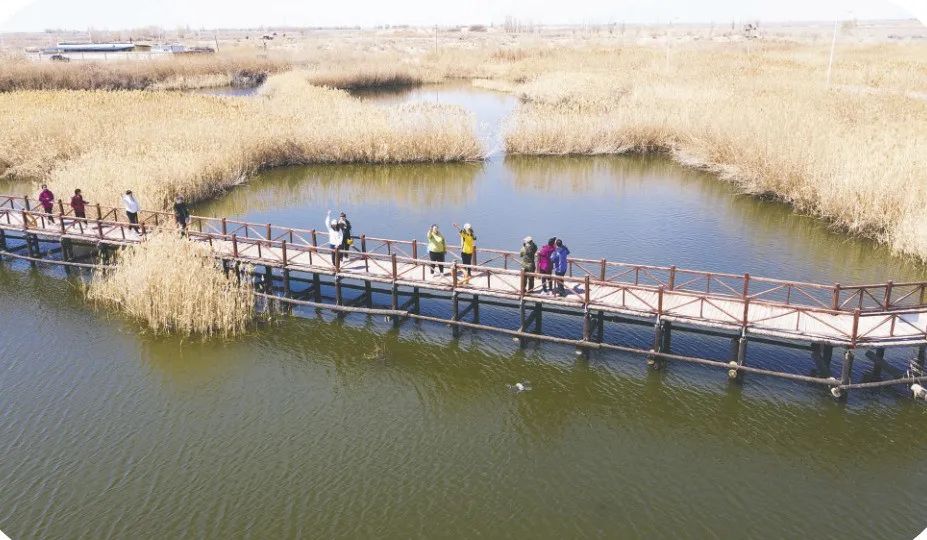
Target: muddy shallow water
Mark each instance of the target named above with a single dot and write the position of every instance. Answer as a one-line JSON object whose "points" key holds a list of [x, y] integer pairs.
{"points": [[312, 427]]}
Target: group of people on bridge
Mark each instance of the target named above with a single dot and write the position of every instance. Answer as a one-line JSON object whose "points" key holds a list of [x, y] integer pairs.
{"points": [[129, 204], [551, 260]]}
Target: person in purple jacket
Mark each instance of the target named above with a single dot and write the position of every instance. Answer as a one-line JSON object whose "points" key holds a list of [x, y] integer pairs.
{"points": [[47, 200], [545, 267], [560, 260]]}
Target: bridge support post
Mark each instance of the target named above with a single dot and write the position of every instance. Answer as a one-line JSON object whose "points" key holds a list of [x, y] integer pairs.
{"points": [[455, 316], [921, 355], [539, 310], [476, 308], [600, 327], [654, 361], [522, 323], [368, 294], [338, 298], [286, 282], [2, 239], [268, 280], [416, 301], [738, 358], [667, 337], [845, 376], [821, 355], [878, 358], [587, 332], [32, 244], [316, 287]]}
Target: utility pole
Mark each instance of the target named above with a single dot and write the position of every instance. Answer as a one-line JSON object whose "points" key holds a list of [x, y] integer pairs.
{"points": [[833, 45]]}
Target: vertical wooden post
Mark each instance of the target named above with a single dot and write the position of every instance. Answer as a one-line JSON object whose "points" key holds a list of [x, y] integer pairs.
{"points": [[363, 239], [225, 228], [921, 355], [416, 300], [269, 232], [2, 240], [235, 246], [739, 349], [672, 277], [26, 203], [821, 356], [394, 289], [315, 239], [835, 301], [887, 301], [877, 360], [60, 206], [338, 298], [600, 327], [286, 270], [667, 337], [99, 212], [855, 335], [521, 321], [522, 280], [654, 361], [602, 264], [476, 308], [746, 293], [455, 313], [846, 373], [539, 310], [316, 287]]}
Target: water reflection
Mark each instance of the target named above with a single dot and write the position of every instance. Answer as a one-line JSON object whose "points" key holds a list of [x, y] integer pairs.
{"points": [[351, 185]]}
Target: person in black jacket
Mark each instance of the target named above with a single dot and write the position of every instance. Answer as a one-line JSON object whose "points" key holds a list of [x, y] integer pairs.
{"points": [[181, 214]]}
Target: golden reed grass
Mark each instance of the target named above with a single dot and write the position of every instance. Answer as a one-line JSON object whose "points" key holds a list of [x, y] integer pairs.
{"points": [[162, 144], [181, 72], [760, 116], [174, 285]]}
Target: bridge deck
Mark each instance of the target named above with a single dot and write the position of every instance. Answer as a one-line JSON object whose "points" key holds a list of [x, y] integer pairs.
{"points": [[785, 310]]}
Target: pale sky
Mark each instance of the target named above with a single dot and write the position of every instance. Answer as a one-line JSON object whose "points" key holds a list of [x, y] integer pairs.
{"points": [[37, 15]]}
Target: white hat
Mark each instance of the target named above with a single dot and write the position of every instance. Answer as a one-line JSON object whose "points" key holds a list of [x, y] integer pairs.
{"points": [[466, 225], [528, 239]]}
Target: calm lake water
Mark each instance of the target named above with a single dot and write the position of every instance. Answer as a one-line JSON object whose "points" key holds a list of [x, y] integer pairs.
{"points": [[316, 427]]}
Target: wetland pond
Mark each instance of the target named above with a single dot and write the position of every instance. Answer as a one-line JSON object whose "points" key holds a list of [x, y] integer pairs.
{"points": [[317, 427]]}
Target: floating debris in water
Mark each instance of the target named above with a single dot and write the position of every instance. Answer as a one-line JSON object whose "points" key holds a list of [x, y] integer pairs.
{"points": [[519, 386]]}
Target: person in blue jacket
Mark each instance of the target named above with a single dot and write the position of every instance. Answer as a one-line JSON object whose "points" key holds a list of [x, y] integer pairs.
{"points": [[560, 259]]}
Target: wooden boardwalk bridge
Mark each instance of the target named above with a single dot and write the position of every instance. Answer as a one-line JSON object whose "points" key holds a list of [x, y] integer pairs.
{"points": [[296, 268]]}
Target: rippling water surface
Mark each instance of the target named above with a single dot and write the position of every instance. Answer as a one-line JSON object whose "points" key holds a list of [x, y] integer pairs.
{"points": [[318, 427]]}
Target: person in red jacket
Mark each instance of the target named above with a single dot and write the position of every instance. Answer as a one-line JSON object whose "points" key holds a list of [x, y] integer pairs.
{"points": [[79, 204], [47, 200], [545, 266]]}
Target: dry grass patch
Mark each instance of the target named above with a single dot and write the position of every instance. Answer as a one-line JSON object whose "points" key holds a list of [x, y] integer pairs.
{"points": [[760, 116], [161, 144], [174, 285], [183, 72]]}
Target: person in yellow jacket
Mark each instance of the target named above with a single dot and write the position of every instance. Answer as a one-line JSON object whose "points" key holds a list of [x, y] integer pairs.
{"points": [[436, 249], [467, 246]]}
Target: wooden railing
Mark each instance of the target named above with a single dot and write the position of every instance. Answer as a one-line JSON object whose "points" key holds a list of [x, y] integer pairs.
{"points": [[873, 308]]}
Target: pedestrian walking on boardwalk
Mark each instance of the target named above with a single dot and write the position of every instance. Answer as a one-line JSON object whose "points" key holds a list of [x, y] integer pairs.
{"points": [[545, 266], [560, 260], [528, 250], [79, 205], [467, 246], [181, 214], [436, 249], [130, 204], [47, 200], [346, 240], [335, 237]]}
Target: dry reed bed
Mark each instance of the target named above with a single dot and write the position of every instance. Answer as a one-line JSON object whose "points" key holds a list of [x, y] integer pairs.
{"points": [[175, 286], [161, 144], [761, 117], [170, 73]]}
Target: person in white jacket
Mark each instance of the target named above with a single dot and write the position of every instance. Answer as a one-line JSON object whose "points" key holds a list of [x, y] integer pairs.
{"points": [[130, 203], [335, 235]]}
